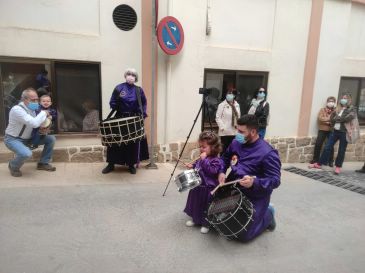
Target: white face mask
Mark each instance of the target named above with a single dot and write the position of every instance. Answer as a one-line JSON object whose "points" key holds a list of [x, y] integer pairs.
{"points": [[130, 79], [330, 104]]}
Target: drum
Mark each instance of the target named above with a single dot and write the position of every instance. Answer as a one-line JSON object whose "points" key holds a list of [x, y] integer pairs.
{"points": [[45, 127], [115, 132], [230, 212], [188, 180]]}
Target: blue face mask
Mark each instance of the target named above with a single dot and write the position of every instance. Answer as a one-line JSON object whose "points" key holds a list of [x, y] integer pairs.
{"points": [[33, 106], [261, 95], [240, 138], [343, 101], [230, 97]]}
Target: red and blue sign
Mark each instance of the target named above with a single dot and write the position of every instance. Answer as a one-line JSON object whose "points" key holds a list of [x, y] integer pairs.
{"points": [[170, 35]]}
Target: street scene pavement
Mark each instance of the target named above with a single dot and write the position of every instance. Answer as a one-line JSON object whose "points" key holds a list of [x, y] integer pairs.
{"points": [[79, 220]]}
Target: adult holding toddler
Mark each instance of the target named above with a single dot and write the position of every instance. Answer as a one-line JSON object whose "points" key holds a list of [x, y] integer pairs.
{"points": [[22, 120]]}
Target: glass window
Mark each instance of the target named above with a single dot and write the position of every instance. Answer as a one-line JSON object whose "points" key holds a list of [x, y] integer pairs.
{"points": [[78, 97], [75, 91], [245, 83], [356, 88], [15, 77]]}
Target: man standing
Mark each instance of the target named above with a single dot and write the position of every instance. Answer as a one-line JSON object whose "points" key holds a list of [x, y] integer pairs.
{"points": [[258, 165], [22, 120]]}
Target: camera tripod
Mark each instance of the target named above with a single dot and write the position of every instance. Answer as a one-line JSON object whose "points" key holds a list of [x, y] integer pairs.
{"points": [[202, 106]]}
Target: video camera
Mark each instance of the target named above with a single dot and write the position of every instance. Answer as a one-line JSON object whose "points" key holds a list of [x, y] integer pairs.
{"points": [[205, 91]]}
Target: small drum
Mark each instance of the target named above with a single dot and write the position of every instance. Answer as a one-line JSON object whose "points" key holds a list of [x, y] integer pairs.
{"points": [[230, 212], [45, 127], [115, 132], [187, 180]]}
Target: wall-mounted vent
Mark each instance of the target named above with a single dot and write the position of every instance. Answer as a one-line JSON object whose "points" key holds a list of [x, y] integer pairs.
{"points": [[124, 17]]}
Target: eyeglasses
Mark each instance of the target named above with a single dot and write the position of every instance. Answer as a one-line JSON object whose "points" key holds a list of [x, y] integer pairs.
{"points": [[33, 100]]}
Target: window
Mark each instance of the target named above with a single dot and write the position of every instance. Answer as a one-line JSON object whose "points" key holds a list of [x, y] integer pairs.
{"points": [[74, 88], [355, 87], [219, 81]]}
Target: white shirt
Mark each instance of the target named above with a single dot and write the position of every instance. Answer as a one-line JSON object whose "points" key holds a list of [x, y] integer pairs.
{"points": [[338, 125], [223, 117], [18, 117]]}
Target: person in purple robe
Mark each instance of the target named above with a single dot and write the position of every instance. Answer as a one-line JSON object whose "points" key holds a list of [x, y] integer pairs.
{"points": [[125, 102], [208, 165], [258, 166]]}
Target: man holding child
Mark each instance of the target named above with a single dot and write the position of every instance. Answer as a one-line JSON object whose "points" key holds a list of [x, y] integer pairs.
{"points": [[18, 134]]}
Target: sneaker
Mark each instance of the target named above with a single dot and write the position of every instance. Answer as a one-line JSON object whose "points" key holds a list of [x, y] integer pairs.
{"points": [[314, 166], [109, 168], [14, 172], [272, 225], [330, 164], [337, 170], [362, 170], [45, 167], [204, 230], [132, 169], [189, 223]]}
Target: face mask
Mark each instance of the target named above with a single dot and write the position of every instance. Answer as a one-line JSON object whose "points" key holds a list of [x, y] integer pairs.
{"points": [[343, 101], [330, 104], [240, 138], [261, 95], [230, 97], [33, 106], [130, 79]]}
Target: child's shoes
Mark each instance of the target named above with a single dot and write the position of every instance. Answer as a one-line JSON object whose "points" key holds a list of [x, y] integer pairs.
{"points": [[204, 230], [189, 223]]}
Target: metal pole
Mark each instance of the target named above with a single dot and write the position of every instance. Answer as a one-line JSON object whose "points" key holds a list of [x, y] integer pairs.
{"points": [[152, 164]]}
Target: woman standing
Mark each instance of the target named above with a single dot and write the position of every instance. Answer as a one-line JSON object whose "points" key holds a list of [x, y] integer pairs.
{"points": [[125, 101], [340, 118], [324, 129], [261, 109], [226, 117]]}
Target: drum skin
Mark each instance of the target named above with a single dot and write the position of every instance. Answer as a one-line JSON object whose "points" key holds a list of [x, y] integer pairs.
{"points": [[187, 180]]}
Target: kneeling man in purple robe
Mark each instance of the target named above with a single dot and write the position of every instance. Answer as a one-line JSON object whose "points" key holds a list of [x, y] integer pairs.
{"points": [[258, 165]]}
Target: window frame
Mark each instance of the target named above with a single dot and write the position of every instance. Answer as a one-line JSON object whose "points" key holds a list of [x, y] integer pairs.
{"points": [[52, 78]]}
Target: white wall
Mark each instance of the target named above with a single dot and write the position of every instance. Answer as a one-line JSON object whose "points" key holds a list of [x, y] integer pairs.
{"points": [[72, 30], [341, 51], [261, 35]]}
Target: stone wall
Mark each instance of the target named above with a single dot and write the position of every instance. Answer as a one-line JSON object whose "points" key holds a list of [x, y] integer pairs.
{"points": [[291, 150]]}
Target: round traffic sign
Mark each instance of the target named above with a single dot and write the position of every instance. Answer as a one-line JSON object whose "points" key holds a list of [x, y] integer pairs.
{"points": [[170, 35]]}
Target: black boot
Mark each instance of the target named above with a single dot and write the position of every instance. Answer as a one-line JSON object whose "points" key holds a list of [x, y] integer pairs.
{"points": [[109, 168], [362, 170], [132, 169]]}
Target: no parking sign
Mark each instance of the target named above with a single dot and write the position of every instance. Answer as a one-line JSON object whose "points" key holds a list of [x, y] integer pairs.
{"points": [[170, 35]]}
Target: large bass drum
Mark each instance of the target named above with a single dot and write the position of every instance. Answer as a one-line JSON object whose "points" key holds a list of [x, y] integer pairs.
{"points": [[230, 212], [115, 132]]}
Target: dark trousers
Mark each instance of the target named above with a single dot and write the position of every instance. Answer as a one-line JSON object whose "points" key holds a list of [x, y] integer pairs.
{"points": [[328, 149], [226, 141], [321, 137]]}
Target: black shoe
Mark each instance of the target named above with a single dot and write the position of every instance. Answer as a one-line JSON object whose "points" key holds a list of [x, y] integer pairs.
{"points": [[14, 172], [362, 170], [132, 169], [45, 167], [108, 169], [330, 164]]}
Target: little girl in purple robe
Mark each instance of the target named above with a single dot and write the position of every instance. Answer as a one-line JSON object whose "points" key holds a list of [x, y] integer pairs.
{"points": [[208, 165]]}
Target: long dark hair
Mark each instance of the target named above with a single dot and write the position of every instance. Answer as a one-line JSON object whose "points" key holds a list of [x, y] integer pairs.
{"points": [[258, 90]]}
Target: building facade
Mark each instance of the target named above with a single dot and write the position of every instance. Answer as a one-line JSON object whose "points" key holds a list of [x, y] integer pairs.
{"points": [[302, 51]]}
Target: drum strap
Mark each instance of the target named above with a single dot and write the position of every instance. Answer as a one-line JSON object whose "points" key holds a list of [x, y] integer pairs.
{"points": [[138, 93]]}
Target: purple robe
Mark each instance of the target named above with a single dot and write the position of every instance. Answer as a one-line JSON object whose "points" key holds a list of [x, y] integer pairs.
{"points": [[261, 160], [199, 197], [124, 101]]}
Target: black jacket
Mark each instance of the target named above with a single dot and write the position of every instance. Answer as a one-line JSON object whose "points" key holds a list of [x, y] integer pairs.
{"points": [[262, 113]]}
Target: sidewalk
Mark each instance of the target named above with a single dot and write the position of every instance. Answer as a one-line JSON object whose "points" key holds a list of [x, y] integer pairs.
{"points": [[78, 220]]}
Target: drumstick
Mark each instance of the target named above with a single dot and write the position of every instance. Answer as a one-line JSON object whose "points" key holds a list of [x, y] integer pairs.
{"points": [[194, 160], [225, 184], [180, 161]]}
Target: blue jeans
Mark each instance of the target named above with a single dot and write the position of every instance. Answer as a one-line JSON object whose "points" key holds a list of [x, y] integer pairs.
{"points": [[22, 151], [262, 132], [328, 149]]}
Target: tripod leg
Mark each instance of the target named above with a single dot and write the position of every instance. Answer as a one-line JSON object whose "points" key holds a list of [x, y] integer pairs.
{"points": [[206, 108], [182, 150]]}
